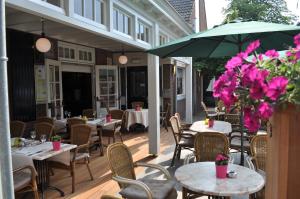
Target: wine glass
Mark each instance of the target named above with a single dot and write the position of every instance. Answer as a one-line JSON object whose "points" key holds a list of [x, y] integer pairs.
{"points": [[43, 138], [32, 135]]}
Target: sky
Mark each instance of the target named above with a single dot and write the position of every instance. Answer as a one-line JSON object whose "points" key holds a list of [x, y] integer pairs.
{"points": [[214, 13]]}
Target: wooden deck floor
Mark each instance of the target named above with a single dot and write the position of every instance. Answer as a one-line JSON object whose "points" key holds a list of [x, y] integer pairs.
{"points": [[102, 183]]}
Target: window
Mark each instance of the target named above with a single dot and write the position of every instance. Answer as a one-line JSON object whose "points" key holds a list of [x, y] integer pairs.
{"points": [[75, 53], [67, 52], [122, 21], [55, 2], [143, 32], [91, 9], [180, 81], [162, 39]]}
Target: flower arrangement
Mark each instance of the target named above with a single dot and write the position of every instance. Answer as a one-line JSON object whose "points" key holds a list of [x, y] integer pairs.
{"points": [[222, 159], [261, 82], [56, 138]]}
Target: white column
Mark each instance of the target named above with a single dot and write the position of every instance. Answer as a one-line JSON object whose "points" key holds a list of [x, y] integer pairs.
{"points": [[109, 15], [197, 12], [153, 95], [69, 7], [153, 101], [189, 92]]}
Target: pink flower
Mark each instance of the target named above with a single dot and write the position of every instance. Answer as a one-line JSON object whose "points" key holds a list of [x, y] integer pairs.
{"points": [[258, 90], [265, 110], [243, 55], [251, 121], [276, 87], [252, 46], [221, 157], [298, 54], [289, 53], [260, 57], [272, 53], [233, 63], [297, 40]]}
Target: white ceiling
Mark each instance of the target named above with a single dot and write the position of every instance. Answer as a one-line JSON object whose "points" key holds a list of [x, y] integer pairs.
{"points": [[25, 22]]}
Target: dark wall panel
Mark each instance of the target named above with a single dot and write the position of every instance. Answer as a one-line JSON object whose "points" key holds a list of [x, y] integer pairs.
{"points": [[21, 75]]}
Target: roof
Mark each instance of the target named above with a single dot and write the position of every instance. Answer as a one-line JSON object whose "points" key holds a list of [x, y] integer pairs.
{"points": [[184, 8]]}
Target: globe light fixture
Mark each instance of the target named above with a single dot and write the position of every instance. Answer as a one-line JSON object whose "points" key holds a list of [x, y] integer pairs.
{"points": [[123, 59], [43, 44]]}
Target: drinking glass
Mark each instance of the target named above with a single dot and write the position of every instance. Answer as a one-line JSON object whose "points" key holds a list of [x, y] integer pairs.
{"points": [[32, 135], [43, 138]]}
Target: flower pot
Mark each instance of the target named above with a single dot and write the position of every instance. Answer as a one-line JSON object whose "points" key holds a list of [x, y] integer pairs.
{"points": [[221, 171], [210, 123], [282, 168], [56, 145], [108, 118], [137, 108]]}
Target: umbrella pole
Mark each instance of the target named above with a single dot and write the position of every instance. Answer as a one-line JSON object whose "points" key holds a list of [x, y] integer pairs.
{"points": [[242, 133], [6, 179]]}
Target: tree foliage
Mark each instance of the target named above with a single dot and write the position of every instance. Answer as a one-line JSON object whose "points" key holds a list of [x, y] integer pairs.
{"points": [[210, 67], [274, 11]]}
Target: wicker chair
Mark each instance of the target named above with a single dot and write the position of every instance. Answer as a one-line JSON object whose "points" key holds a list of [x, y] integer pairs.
{"points": [[183, 139], [17, 128], [89, 113], [113, 131], [164, 117], [122, 168], [70, 122], [80, 136], [43, 128], [134, 104], [208, 113], [48, 120], [207, 146], [24, 175], [182, 125], [258, 156]]}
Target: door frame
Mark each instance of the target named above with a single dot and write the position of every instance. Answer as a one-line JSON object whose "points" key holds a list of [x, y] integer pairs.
{"points": [[97, 94], [49, 62]]}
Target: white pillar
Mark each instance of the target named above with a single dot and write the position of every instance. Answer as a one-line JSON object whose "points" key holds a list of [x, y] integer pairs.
{"points": [[197, 12], [109, 16], [189, 92], [153, 101]]}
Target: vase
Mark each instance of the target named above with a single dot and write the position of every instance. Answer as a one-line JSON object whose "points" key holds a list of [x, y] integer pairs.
{"points": [[282, 168], [210, 123], [221, 171], [108, 118], [56, 145]]}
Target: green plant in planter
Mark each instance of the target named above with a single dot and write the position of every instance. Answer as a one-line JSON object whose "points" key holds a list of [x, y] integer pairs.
{"points": [[260, 83], [56, 138]]}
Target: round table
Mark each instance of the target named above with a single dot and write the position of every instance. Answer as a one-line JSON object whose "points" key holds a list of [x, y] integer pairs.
{"points": [[200, 177], [219, 126], [137, 117]]}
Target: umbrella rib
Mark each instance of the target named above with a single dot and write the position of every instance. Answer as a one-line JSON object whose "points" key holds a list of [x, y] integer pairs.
{"points": [[167, 55], [216, 46]]}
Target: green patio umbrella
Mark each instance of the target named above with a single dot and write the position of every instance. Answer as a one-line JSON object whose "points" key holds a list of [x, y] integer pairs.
{"points": [[229, 39]]}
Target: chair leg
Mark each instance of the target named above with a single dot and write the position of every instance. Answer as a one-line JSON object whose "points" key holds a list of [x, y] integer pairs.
{"points": [[174, 155], [184, 193], [120, 134], [179, 153], [87, 162], [166, 125], [73, 176], [35, 190], [114, 139]]}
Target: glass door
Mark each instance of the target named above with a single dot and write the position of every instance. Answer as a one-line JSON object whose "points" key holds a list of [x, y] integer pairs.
{"points": [[55, 108], [106, 88]]}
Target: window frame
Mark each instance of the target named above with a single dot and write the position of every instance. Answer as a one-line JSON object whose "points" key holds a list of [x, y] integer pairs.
{"points": [[145, 27], [116, 26], [93, 21], [180, 95]]}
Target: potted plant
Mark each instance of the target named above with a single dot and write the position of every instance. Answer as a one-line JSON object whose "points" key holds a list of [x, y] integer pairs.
{"points": [[267, 86], [221, 165], [56, 142]]}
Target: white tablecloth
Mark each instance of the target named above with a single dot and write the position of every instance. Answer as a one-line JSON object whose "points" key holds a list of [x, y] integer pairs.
{"points": [[137, 117], [219, 126]]}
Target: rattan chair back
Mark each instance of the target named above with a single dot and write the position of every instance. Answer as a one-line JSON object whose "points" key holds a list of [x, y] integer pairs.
{"points": [[258, 148], [73, 121], [116, 114], [175, 127], [234, 120], [17, 128], [134, 104], [179, 119], [120, 161], [209, 144], [204, 108], [43, 128], [48, 120], [89, 113], [80, 134]]}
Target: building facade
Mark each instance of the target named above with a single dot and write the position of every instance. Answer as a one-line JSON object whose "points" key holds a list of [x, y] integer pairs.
{"points": [[83, 70]]}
